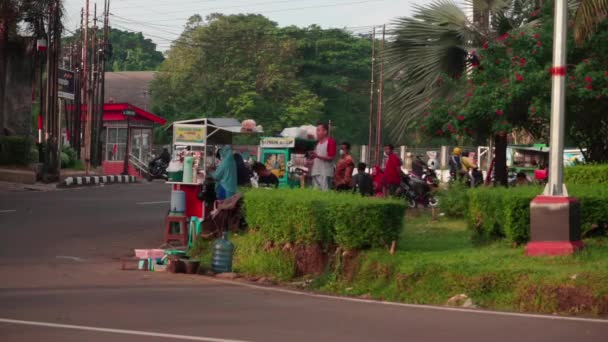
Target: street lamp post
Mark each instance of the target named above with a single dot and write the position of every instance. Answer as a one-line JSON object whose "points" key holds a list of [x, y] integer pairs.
{"points": [[128, 113], [554, 217]]}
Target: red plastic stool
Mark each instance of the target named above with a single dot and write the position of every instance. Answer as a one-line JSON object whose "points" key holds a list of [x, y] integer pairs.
{"points": [[182, 236]]}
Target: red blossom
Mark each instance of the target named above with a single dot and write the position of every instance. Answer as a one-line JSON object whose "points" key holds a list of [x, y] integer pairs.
{"points": [[484, 45], [503, 37], [589, 87], [499, 112], [422, 127], [539, 43], [522, 62], [534, 52], [571, 23], [469, 94], [427, 114], [440, 132], [606, 73], [599, 97], [522, 33], [536, 36], [497, 61], [588, 79], [586, 60], [460, 117], [519, 77]]}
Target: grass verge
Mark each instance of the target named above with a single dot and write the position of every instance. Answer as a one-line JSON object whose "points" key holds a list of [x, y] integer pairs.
{"points": [[436, 260]]}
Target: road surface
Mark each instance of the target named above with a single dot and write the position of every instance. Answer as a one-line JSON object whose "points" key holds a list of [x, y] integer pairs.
{"points": [[59, 281]]}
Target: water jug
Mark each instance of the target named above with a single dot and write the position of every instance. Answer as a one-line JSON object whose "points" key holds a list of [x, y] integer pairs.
{"points": [[222, 255], [178, 202]]}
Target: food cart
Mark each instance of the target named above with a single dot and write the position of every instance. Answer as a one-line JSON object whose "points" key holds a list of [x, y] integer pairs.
{"points": [[529, 158], [194, 144], [283, 156]]}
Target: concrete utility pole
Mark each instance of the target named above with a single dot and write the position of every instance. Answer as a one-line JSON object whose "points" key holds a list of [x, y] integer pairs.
{"points": [[87, 133], [368, 155], [380, 91], [554, 217]]}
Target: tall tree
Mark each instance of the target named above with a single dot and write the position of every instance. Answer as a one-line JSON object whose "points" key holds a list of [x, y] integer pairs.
{"points": [[12, 12]]}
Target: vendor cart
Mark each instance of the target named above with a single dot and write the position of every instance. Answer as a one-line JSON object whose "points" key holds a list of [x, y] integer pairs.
{"points": [[200, 139], [286, 158]]}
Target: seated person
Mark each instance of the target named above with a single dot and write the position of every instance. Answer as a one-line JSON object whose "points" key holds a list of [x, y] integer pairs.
{"points": [[363, 182], [265, 177]]}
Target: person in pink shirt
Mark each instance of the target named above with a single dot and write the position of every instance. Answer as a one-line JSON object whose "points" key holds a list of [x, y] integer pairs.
{"points": [[392, 170]]}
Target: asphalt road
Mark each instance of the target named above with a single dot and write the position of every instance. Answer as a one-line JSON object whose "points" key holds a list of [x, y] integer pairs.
{"points": [[59, 281]]}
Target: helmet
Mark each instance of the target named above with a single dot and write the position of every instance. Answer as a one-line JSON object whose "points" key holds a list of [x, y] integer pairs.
{"points": [[456, 151]]}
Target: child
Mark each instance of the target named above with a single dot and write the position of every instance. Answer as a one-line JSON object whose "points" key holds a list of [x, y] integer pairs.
{"points": [[363, 182]]}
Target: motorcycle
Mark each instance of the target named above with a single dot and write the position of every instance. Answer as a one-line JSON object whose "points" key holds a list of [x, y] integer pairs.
{"points": [[430, 177], [416, 191], [157, 168]]}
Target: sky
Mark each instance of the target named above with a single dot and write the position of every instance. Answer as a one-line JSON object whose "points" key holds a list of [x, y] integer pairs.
{"points": [[163, 20]]}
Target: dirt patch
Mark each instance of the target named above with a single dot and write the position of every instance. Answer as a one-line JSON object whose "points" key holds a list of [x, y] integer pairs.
{"points": [[310, 259], [350, 265], [563, 299]]}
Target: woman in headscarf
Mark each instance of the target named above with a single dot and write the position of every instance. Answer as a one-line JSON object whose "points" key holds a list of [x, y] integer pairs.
{"points": [[378, 176], [242, 172], [225, 176]]}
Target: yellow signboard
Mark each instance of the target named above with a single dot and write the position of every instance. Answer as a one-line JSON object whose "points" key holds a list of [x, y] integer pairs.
{"points": [[278, 142], [192, 135]]}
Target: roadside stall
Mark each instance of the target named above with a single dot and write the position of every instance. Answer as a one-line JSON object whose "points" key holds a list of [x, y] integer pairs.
{"points": [[286, 158], [530, 158], [195, 144]]}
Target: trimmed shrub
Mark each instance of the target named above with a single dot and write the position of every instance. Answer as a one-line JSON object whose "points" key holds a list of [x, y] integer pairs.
{"points": [[586, 174], [15, 150], [500, 212], [454, 200], [309, 216]]}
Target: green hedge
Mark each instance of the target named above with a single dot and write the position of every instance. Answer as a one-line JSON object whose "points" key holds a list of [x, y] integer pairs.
{"points": [[495, 213], [15, 150], [586, 174], [309, 216]]}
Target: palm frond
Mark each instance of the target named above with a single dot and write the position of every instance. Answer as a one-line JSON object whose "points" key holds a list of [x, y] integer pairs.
{"points": [[589, 13]]}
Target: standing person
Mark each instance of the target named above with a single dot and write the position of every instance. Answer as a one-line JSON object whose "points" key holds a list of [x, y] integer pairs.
{"points": [[343, 176], [323, 157], [363, 182], [225, 176], [455, 164], [392, 170]]}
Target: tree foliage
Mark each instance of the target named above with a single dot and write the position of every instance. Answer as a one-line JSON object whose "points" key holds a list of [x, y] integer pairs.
{"points": [[509, 87], [245, 66]]}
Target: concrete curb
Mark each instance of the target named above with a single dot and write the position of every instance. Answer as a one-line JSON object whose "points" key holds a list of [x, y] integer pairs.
{"points": [[96, 180]]}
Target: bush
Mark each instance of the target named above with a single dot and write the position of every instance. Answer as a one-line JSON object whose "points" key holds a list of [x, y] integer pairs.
{"points": [[309, 216], [15, 150], [500, 212], [586, 174], [454, 200], [68, 157]]}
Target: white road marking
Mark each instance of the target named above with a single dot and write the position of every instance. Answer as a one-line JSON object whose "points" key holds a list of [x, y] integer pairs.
{"points": [[149, 203], [7, 211], [413, 306], [117, 331], [73, 258]]}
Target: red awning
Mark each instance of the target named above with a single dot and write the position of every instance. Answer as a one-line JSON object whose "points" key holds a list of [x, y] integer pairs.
{"points": [[113, 112]]}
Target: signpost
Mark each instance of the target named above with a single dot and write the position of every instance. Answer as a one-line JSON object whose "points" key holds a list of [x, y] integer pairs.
{"points": [[278, 142], [65, 83], [191, 135], [554, 217]]}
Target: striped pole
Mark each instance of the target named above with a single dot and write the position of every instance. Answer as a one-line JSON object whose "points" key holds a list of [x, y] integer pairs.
{"points": [[556, 186]]}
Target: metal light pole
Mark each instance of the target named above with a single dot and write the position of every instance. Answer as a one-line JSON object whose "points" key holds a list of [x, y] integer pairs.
{"points": [[556, 186], [555, 217]]}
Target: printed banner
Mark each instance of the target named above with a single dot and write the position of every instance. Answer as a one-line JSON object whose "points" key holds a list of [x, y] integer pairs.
{"points": [[278, 142], [192, 135]]}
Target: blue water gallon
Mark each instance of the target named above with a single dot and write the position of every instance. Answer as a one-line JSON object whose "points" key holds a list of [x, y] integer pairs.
{"points": [[178, 202], [222, 255]]}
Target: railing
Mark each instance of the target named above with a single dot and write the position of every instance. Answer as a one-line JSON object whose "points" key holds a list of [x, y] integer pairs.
{"points": [[139, 165]]}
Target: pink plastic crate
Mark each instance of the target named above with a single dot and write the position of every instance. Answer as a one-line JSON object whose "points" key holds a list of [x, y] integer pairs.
{"points": [[149, 253]]}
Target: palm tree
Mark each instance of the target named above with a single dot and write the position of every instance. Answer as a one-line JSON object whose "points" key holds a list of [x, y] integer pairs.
{"points": [[12, 12], [438, 40]]}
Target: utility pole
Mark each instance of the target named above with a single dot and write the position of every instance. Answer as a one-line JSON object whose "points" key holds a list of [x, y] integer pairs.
{"points": [[87, 133], [93, 99], [371, 102], [102, 80], [555, 217], [380, 91]]}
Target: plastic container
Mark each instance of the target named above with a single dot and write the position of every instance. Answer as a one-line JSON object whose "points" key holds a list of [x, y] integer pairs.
{"points": [[222, 255], [195, 228], [149, 253], [178, 202], [175, 171], [188, 170]]}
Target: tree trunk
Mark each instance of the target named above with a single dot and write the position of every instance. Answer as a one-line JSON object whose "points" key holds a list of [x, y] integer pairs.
{"points": [[3, 68], [500, 161]]}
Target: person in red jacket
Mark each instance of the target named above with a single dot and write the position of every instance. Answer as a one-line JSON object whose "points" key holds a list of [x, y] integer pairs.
{"points": [[392, 170]]}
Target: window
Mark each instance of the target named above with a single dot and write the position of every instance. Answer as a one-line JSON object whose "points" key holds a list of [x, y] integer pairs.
{"points": [[116, 143]]}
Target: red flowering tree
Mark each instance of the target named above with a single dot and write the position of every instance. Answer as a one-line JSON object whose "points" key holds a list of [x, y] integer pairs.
{"points": [[509, 87]]}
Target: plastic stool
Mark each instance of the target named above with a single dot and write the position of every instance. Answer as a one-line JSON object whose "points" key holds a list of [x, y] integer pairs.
{"points": [[182, 236]]}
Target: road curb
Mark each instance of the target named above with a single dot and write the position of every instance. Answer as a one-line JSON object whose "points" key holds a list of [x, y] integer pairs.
{"points": [[96, 180]]}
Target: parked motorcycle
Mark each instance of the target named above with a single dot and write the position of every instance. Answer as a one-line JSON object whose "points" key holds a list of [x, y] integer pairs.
{"points": [[157, 168], [416, 191]]}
